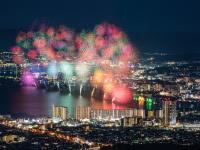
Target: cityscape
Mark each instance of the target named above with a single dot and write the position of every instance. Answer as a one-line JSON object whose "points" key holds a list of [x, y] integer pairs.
{"points": [[97, 87]]}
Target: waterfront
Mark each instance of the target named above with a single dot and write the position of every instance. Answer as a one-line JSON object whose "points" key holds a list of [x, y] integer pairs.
{"points": [[30, 101]]}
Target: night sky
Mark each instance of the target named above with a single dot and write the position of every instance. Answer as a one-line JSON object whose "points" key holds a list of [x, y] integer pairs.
{"points": [[164, 25]]}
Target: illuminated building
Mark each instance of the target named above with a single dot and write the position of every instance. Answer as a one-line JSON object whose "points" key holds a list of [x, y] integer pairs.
{"points": [[8, 70], [158, 87], [150, 114], [149, 107], [129, 121], [111, 113], [12, 138], [169, 112], [141, 113], [149, 104], [82, 112], [135, 98], [9, 138], [6, 57], [139, 101], [60, 112], [135, 111], [128, 112], [159, 113]]}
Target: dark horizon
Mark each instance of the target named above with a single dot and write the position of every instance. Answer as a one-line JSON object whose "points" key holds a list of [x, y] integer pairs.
{"points": [[130, 15], [165, 26]]}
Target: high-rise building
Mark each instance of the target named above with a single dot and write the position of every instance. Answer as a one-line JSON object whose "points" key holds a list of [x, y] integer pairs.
{"points": [[59, 112], [169, 111], [158, 113], [111, 113], [82, 112], [150, 114], [129, 121], [141, 113]]}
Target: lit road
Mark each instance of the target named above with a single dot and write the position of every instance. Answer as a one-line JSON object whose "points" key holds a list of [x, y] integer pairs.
{"points": [[69, 138]]}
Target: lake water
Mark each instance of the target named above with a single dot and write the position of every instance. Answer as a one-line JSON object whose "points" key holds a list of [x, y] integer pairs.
{"points": [[29, 101]]}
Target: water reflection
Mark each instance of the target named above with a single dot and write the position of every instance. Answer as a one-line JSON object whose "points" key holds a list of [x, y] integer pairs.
{"points": [[71, 101], [28, 101], [34, 102]]}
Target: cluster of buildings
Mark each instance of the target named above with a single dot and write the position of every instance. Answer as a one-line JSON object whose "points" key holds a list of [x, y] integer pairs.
{"points": [[11, 138], [166, 116], [166, 79], [7, 68], [161, 93], [169, 78]]}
